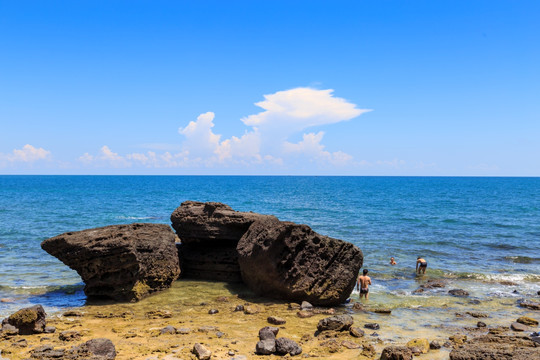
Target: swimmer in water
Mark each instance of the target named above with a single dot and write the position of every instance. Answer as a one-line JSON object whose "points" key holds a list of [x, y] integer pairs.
{"points": [[392, 261], [362, 284], [421, 265]]}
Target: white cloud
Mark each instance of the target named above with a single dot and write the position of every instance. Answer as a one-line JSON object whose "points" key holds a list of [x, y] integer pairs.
{"points": [[266, 141], [28, 154]]}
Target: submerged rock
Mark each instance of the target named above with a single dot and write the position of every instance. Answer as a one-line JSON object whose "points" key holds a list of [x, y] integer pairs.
{"points": [[496, 347], [28, 321], [396, 353], [458, 292], [527, 321], [122, 262], [291, 261]]}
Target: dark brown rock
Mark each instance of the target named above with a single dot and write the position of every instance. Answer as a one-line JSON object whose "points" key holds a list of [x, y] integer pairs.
{"points": [[287, 346], [265, 347], [122, 262], [69, 335], [291, 261], [268, 332], [356, 332], [28, 321], [519, 327], [396, 353], [372, 326], [209, 262], [102, 348], [337, 323], [498, 347], [527, 321], [458, 292], [530, 305], [274, 320]]}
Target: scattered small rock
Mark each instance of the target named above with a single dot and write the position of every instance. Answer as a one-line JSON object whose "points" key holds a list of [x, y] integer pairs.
{"points": [[477, 314], [338, 323], [294, 306], [28, 321], [356, 332], [350, 345], [396, 353], [458, 292], [69, 335], [158, 314], [213, 311], [421, 344], [382, 311], [357, 306], [274, 320], [268, 332], [201, 352], [251, 310], [222, 299], [239, 308], [183, 331], [168, 330], [530, 305], [302, 314], [458, 339], [435, 345], [101, 347], [481, 324], [72, 313], [306, 306], [372, 326], [287, 346], [527, 321], [518, 327], [266, 347]]}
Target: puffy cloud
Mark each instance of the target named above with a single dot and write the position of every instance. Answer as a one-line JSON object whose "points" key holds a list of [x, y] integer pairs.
{"points": [[28, 154], [311, 147], [286, 113]]}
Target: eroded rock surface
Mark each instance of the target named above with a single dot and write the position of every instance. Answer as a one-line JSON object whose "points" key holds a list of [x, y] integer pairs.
{"points": [[209, 233], [122, 262], [500, 347], [290, 261]]}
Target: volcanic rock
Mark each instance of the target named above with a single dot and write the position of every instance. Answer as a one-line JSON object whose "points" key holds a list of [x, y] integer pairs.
{"points": [[28, 321], [396, 353], [122, 262], [458, 292], [337, 323], [287, 346], [291, 261]]}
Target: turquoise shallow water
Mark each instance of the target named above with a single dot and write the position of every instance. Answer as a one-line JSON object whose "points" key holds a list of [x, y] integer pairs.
{"points": [[474, 231]]}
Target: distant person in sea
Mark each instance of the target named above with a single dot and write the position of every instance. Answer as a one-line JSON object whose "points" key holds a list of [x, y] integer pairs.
{"points": [[421, 265], [393, 261], [362, 284]]}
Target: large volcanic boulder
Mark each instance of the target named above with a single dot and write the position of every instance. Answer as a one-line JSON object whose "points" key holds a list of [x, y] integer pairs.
{"points": [[293, 262], [209, 233], [122, 262]]}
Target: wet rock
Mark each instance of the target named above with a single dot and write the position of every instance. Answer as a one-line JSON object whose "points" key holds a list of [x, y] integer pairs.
{"points": [[357, 306], [46, 352], [302, 314], [239, 308], [519, 327], [306, 305], [496, 347], [481, 324], [527, 321], [337, 323], [294, 306], [421, 344], [530, 305], [477, 314], [266, 347], [508, 283], [435, 345], [372, 326], [356, 332], [28, 321], [69, 335], [252, 310], [382, 311], [458, 339], [201, 352], [167, 330], [268, 333], [158, 314], [287, 346], [458, 292], [213, 311], [416, 351], [350, 345], [122, 262], [331, 346], [9, 330], [396, 353], [291, 261], [101, 347], [429, 285], [274, 320]]}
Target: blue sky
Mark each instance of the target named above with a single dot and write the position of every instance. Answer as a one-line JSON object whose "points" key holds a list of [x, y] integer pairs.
{"points": [[276, 87]]}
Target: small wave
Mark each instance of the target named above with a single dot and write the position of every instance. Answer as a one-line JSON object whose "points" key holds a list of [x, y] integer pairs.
{"points": [[497, 278], [137, 217], [507, 226], [503, 246], [522, 259]]}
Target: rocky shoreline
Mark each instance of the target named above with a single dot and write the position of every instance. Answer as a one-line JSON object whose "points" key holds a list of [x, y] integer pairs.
{"points": [[251, 286]]}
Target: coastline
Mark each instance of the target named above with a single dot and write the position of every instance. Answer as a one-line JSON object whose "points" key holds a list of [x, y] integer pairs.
{"points": [[135, 328]]}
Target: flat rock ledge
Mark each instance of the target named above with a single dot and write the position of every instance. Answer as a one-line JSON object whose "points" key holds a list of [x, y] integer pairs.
{"points": [[497, 347], [120, 262]]}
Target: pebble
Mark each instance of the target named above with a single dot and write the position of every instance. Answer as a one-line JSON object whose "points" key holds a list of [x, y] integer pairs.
{"points": [[481, 324], [372, 326], [435, 345], [306, 305], [213, 311], [239, 308], [201, 352], [518, 327], [356, 332], [274, 320], [302, 314], [168, 330]]}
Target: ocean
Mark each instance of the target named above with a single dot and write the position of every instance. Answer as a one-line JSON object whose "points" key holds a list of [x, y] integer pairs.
{"points": [[482, 234]]}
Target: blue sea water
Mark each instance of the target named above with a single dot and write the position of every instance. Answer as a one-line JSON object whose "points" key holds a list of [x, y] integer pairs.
{"points": [[478, 231]]}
